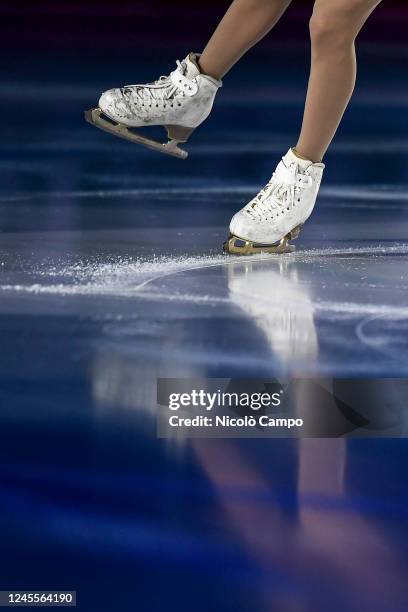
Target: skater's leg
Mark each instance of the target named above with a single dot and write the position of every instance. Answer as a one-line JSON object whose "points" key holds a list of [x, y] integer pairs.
{"points": [[244, 24], [333, 28], [184, 99]]}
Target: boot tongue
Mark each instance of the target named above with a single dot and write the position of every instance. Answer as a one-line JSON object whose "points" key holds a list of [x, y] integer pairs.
{"points": [[192, 68]]}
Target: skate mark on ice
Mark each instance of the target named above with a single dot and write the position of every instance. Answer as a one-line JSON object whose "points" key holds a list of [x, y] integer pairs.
{"points": [[390, 340], [129, 278]]}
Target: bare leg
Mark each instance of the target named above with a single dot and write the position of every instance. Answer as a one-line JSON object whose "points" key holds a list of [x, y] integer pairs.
{"points": [[243, 25], [333, 28]]}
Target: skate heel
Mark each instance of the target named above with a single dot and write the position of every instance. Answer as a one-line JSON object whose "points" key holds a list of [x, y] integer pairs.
{"points": [[179, 133], [294, 234]]}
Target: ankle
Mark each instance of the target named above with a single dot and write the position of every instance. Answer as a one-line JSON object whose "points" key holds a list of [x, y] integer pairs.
{"points": [[303, 155], [207, 70]]}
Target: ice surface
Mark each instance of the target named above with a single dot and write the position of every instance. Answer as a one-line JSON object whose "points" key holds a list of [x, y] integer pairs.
{"points": [[310, 311]]}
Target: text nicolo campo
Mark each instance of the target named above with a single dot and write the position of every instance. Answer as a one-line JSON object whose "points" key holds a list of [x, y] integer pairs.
{"points": [[209, 401]]}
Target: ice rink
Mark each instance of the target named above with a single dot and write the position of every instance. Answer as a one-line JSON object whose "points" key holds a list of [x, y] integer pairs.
{"points": [[112, 274]]}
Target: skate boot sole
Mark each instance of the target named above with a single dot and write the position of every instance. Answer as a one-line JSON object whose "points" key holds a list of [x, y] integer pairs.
{"points": [[176, 134], [240, 246]]}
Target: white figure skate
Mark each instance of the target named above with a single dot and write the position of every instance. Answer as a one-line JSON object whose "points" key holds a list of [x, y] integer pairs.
{"points": [[179, 102], [277, 213]]}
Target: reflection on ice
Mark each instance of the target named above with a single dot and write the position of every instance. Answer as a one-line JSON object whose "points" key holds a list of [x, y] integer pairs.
{"points": [[324, 536], [279, 305]]}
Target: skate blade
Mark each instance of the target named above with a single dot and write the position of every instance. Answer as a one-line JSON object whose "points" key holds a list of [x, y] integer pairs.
{"points": [[95, 117], [239, 246]]}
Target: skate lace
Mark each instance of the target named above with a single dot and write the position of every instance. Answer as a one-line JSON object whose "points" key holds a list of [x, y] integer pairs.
{"points": [[279, 194], [162, 91]]}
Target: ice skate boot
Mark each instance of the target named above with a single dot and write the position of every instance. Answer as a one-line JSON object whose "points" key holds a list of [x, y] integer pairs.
{"points": [[179, 102], [276, 215]]}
